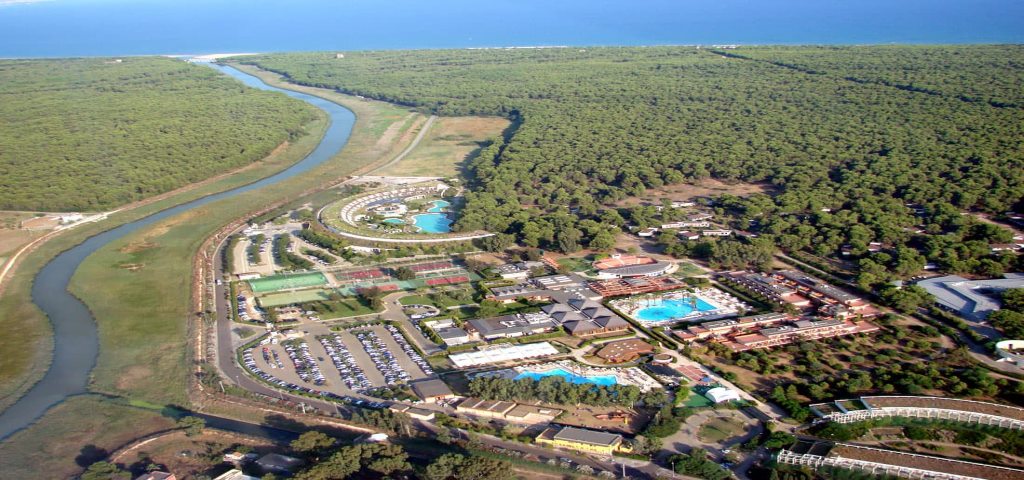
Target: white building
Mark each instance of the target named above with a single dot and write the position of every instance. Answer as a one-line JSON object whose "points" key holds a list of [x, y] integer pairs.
{"points": [[722, 394]]}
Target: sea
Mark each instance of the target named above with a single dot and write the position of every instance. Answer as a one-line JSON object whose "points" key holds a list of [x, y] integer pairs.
{"points": [[65, 28]]}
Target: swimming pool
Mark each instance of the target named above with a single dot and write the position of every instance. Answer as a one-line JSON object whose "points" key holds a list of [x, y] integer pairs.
{"points": [[394, 221], [439, 206], [433, 222], [601, 380], [666, 309]]}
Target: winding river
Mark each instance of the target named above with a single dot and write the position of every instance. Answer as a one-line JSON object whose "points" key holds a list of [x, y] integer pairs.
{"points": [[76, 340]]}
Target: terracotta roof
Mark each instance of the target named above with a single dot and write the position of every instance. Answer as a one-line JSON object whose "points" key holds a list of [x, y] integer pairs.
{"points": [[923, 462]]}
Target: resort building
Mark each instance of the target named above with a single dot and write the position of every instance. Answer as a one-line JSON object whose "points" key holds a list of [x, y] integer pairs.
{"points": [[431, 390], [509, 411], [636, 286], [415, 413], [687, 224], [1011, 351], [518, 271], [936, 408], [585, 317], [802, 291], [557, 282], [972, 299], [510, 326], [880, 462], [514, 293], [580, 439], [502, 353], [624, 350], [235, 474], [452, 336], [770, 330]]}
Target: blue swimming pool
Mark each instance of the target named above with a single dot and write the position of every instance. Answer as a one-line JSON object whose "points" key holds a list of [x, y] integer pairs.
{"points": [[663, 310], [433, 223], [394, 221], [439, 206], [602, 380]]}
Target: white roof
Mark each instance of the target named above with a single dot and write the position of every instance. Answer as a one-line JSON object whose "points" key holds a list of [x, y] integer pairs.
{"points": [[502, 353], [721, 394]]}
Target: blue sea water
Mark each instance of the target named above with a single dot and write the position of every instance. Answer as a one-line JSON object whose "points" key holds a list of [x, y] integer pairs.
{"points": [[601, 380], [53, 28], [662, 310]]}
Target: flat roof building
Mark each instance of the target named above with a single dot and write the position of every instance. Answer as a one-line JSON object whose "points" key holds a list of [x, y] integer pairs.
{"points": [[431, 390], [624, 350], [510, 326], [971, 299], [581, 439], [502, 353]]}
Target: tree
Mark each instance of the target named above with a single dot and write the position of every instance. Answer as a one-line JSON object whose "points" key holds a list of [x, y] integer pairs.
{"points": [[907, 299], [105, 471], [312, 443], [193, 426], [405, 273], [604, 240], [444, 436]]}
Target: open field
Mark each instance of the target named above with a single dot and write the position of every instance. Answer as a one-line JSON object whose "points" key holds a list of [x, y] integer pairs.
{"points": [[707, 187], [142, 313], [75, 434], [450, 142], [719, 429]]}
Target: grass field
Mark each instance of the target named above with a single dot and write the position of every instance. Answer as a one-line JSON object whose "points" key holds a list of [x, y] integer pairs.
{"points": [[284, 282], [58, 448], [287, 298], [721, 428], [449, 143], [142, 313]]}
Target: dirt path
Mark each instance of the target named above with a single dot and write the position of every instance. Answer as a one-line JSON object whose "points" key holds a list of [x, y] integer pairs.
{"points": [[416, 141]]}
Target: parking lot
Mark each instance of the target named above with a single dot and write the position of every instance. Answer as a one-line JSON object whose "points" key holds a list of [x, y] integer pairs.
{"points": [[341, 362]]}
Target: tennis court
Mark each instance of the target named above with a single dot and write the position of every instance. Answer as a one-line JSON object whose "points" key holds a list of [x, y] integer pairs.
{"points": [[288, 298], [287, 282]]}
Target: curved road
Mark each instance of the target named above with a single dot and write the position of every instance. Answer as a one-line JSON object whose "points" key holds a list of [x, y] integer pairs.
{"points": [[76, 340]]}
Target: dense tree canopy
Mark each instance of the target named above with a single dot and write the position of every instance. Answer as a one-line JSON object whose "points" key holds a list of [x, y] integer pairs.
{"points": [[91, 134], [849, 136]]}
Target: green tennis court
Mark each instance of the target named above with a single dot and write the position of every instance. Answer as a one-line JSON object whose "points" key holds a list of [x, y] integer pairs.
{"points": [[287, 282], [288, 298]]}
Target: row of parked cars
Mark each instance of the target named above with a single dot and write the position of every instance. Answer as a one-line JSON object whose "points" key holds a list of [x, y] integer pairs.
{"points": [[348, 368], [305, 363], [243, 309], [382, 358], [411, 352], [275, 362]]}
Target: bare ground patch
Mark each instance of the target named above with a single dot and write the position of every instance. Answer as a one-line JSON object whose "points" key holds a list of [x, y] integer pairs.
{"points": [[705, 188]]}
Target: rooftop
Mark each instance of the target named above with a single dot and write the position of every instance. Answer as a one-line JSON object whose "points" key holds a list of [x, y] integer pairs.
{"points": [[996, 409], [624, 350], [924, 462], [589, 437], [972, 299], [430, 388], [516, 324], [638, 270], [496, 406]]}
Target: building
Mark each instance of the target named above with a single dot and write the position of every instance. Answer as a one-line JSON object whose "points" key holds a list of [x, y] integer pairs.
{"points": [[508, 411], [1011, 351], [585, 317], [687, 224], [158, 476], [485, 408], [972, 299], [580, 439], [770, 330], [635, 286], [431, 390], [722, 394], [639, 270], [936, 408], [648, 232], [235, 474], [688, 235], [801, 291], [880, 462], [502, 353], [513, 293], [513, 271], [624, 350], [717, 232], [413, 412], [557, 282], [452, 336], [509, 326], [277, 463]]}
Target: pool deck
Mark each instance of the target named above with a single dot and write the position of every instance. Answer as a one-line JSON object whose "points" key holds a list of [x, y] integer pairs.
{"points": [[725, 305]]}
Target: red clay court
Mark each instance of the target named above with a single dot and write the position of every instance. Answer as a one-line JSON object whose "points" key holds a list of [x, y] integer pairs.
{"points": [[622, 261]]}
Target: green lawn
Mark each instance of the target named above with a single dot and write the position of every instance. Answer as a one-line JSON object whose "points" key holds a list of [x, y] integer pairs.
{"points": [[687, 269]]}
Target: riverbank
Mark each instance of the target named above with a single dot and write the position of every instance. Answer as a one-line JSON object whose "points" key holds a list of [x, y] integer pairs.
{"points": [[143, 355]]}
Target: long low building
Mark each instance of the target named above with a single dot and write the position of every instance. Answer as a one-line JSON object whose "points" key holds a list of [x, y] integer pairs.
{"points": [[877, 461], [502, 353], [581, 439], [510, 411], [510, 326], [936, 408]]}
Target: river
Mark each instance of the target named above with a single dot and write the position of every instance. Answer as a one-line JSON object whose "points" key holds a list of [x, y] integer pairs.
{"points": [[76, 340]]}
